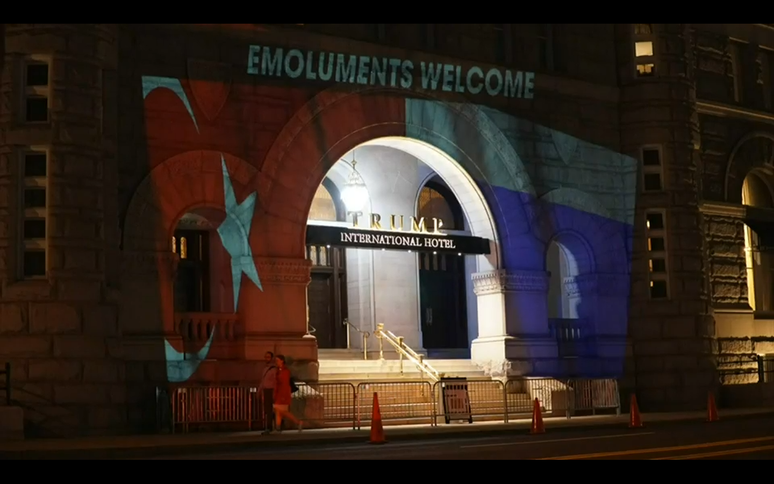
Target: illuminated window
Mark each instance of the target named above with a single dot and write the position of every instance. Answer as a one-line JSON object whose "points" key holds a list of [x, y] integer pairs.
{"points": [[436, 201], [644, 51], [174, 249], [323, 206], [36, 90], [658, 275], [183, 248], [34, 202]]}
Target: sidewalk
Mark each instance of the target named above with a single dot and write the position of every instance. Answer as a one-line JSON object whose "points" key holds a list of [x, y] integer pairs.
{"points": [[158, 445]]}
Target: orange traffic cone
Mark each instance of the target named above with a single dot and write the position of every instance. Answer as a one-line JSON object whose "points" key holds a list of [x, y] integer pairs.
{"points": [[712, 410], [537, 419], [635, 420], [377, 430]]}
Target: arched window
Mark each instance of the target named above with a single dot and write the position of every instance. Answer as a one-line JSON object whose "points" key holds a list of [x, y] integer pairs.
{"points": [[324, 206], [758, 254], [437, 201]]}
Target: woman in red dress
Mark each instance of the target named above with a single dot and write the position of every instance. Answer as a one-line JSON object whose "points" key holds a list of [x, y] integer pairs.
{"points": [[282, 395]]}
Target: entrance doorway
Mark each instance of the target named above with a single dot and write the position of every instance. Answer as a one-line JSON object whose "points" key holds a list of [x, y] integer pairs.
{"points": [[327, 296], [442, 300], [391, 266], [442, 296]]}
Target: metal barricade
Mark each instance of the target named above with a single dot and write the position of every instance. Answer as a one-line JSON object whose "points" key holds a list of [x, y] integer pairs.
{"points": [[399, 402], [595, 395], [485, 397], [325, 405], [212, 405], [552, 395]]}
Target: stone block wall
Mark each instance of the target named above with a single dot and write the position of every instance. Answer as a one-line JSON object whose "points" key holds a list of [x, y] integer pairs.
{"points": [[727, 268], [60, 332], [672, 338]]}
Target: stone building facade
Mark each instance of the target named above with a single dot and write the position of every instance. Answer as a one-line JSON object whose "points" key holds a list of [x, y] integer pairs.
{"points": [[112, 137]]}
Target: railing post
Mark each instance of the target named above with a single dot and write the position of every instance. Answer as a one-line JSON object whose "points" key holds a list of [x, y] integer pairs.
{"points": [[365, 346], [400, 354], [380, 331], [346, 326]]}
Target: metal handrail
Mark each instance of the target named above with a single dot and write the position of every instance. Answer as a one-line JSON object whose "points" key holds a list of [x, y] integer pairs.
{"points": [[404, 351], [365, 335]]}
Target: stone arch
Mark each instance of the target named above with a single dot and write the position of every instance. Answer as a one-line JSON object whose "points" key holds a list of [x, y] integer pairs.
{"points": [[580, 256], [571, 211], [335, 122], [754, 150], [181, 183]]}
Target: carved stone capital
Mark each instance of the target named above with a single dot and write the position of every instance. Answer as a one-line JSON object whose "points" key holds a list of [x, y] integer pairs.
{"points": [[284, 271], [150, 265], [579, 286], [493, 282], [495, 368]]}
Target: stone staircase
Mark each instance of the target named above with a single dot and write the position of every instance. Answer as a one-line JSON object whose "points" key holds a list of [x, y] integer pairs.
{"points": [[352, 370], [409, 396]]}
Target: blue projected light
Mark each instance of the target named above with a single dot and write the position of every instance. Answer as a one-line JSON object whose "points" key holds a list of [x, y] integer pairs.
{"points": [[235, 234], [545, 189]]}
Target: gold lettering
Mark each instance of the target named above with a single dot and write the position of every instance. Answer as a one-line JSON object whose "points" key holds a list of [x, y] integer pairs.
{"points": [[376, 221], [437, 224], [354, 217], [392, 223], [418, 225]]}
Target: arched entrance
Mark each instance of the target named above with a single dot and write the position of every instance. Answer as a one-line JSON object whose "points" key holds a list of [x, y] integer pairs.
{"points": [[461, 144], [426, 296]]}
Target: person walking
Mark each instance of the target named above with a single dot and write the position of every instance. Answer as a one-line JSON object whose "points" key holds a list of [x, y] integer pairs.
{"points": [[283, 396], [266, 391]]}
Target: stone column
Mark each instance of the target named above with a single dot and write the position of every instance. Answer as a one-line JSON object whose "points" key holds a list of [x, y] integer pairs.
{"points": [[512, 320], [275, 318]]}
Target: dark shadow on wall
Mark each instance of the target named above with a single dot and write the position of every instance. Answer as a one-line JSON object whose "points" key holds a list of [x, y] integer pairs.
{"points": [[142, 311]]}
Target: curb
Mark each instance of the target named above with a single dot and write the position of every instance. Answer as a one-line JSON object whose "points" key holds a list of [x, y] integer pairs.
{"points": [[394, 434]]}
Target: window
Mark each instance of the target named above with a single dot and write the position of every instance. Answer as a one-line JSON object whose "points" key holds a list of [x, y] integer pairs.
{"points": [[736, 51], [658, 276], [323, 205], [437, 201], [644, 52], [192, 282], [764, 76], [34, 202], [652, 169], [36, 91]]}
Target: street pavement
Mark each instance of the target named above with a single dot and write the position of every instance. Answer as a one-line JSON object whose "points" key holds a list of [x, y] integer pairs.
{"points": [[749, 439]]}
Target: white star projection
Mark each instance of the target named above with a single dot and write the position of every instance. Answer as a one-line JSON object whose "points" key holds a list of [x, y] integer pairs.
{"points": [[235, 233]]}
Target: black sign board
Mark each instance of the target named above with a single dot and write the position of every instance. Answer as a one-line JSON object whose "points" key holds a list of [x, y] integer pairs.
{"points": [[456, 400], [394, 240]]}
